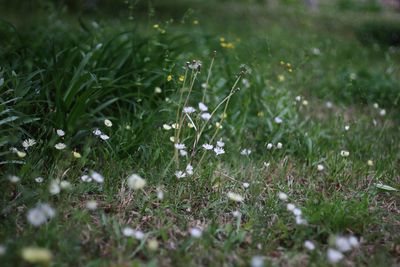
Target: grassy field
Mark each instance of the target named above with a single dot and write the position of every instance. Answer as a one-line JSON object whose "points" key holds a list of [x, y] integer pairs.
{"points": [[198, 133]]}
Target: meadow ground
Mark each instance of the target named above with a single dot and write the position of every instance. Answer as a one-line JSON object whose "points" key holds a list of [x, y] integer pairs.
{"points": [[198, 133]]}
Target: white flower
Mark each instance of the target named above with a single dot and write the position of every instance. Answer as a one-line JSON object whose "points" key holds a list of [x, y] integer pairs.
{"points": [[245, 152], [382, 112], [376, 105], [65, 185], [108, 123], [270, 146], [342, 244], [180, 146], [128, 232], [40, 214], [219, 150], [97, 132], [207, 146], [320, 167], [203, 107], [290, 207], [305, 102], [166, 127], [347, 127], [220, 143], [298, 98], [139, 235], [172, 139], [194, 65], [60, 132], [246, 185], [370, 163], [91, 204], [136, 182], [157, 90], [86, 178], [300, 220], [60, 146], [195, 232], [278, 120], [206, 116], [175, 126], [297, 212], [309, 245], [257, 261], [180, 174], [344, 153], [329, 105], [282, 196], [316, 51], [97, 177], [13, 179], [189, 110], [279, 145], [39, 179], [104, 137], [334, 256], [354, 241], [189, 169], [28, 143], [3, 249], [235, 197], [236, 213], [183, 152], [55, 187], [160, 194]]}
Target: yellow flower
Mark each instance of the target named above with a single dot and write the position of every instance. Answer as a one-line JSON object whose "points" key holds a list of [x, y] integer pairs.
{"points": [[36, 255], [260, 114], [181, 78], [169, 78], [195, 22], [282, 62]]}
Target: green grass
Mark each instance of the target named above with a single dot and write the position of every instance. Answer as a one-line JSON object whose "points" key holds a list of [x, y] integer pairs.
{"points": [[63, 72]]}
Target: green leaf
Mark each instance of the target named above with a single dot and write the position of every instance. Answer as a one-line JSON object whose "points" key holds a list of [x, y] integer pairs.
{"points": [[385, 187]]}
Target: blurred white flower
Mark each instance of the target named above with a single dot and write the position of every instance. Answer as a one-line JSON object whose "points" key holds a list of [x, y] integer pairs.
{"points": [[39, 179], [97, 132], [279, 145], [220, 143], [370, 163], [60, 132], [334, 256], [180, 174], [108, 123], [305, 102], [139, 235], [104, 137], [329, 105], [65, 184], [189, 110], [207, 146], [160, 194], [189, 169], [320, 167], [235, 197], [205, 116], [382, 112], [376, 105], [157, 90], [180, 146], [60, 146], [290, 207], [246, 185], [97, 177], [28, 143], [300, 220], [195, 232], [282, 196], [54, 187], [297, 212], [166, 127], [278, 120], [3, 249], [309, 245], [344, 153], [298, 98], [91, 204], [86, 178], [245, 152], [40, 214], [203, 107], [236, 213], [136, 182], [347, 127], [128, 231], [13, 179], [219, 150], [257, 261], [316, 51], [270, 146], [175, 126], [354, 241], [183, 152]]}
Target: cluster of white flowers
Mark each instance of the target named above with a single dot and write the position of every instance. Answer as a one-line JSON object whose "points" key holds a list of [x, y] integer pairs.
{"points": [[188, 172], [100, 134], [40, 214], [93, 176], [245, 152], [342, 244], [270, 146], [129, 232]]}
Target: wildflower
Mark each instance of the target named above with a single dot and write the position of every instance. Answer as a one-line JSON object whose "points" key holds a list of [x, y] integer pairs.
{"points": [[39, 180], [175, 126], [3, 249], [382, 112], [104, 137], [169, 78], [246, 185], [128, 232], [300, 220], [297, 212], [279, 145], [183, 152], [180, 174], [235, 197], [60, 132], [290, 207], [40, 214], [189, 110], [347, 127], [206, 116], [298, 98], [172, 139], [342, 244], [218, 125], [245, 152], [189, 169], [305, 103], [195, 65], [190, 125], [376, 105], [108, 123], [219, 150], [21, 154], [180, 146], [76, 155], [160, 194], [270, 146], [65, 185], [195, 22], [28, 143], [370, 163], [97, 132], [278, 120], [97, 177], [320, 167], [334, 256], [257, 261], [157, 90], [207, 146], [220, 143], [91, 205], [282, 196], [181, 78], [37, 255], [309, 245], [54, 187], [166, 127], [316, 51], [136, 182], [152, 244], [344, 153], [195, 232], [353, 241], [86, 178], [139, 235], [236, 213], [281, 78], [60, 146], [203, 107]]}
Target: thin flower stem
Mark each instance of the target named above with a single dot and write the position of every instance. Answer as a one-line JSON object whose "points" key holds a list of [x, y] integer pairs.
{"points": [[176, 155], [208, 77]]}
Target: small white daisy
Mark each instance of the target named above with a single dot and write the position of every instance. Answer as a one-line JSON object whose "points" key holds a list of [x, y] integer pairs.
{"points": [[207, 146], [189, 169], [219, 150], [279, 145], [309, 245], [320, 167], [278, 120], [203, 107], [60, 132], [180, 174], [189, 110], [97, 177], [206, 116], [60, 146], [290, 207], [245, 152], [104, 137], [246, 185], [167, 127], [270, 146], [180, 146], [183, 152], [28, 143], [220, 143], [97, 132]]}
